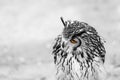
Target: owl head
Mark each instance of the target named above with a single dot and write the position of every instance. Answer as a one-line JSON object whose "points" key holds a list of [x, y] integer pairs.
{"points": [[82, 39]]}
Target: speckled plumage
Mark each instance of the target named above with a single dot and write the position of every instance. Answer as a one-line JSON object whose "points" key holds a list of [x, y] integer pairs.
{"points": [[83, 60]]}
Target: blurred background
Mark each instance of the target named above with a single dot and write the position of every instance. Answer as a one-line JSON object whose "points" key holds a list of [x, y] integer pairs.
{"points": [[28, 28]]}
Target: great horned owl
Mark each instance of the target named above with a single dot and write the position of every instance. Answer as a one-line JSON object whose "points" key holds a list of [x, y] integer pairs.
{"points": [[79, 52]]}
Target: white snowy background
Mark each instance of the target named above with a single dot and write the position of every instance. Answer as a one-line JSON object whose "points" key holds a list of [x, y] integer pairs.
{"points": [[28, 28]]}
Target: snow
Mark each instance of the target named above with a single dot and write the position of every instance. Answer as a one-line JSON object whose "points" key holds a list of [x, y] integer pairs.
{"points": [[28, 28]]}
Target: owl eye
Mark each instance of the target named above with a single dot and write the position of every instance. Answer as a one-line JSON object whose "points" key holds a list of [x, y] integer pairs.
{"points": [[73, 41]]}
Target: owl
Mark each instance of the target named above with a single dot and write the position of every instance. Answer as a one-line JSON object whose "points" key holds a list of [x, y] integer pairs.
{"points": [[79, 52]]}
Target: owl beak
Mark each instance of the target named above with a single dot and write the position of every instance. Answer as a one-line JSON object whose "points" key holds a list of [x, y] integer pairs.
{"points": [[64, 22]]}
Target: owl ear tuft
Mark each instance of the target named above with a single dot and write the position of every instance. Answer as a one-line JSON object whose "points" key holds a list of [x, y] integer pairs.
{"points": [[64, 22]]}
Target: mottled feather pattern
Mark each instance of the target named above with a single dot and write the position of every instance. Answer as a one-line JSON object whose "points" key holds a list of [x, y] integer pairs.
{"points": [[86, 61]]}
